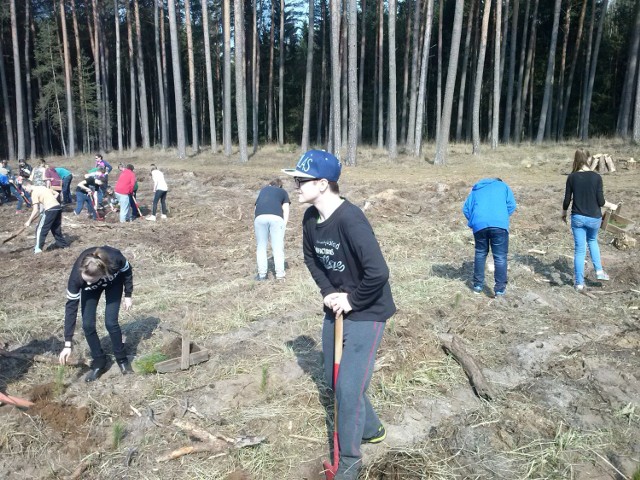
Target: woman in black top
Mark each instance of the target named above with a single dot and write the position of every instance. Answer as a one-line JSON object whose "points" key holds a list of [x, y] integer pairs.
{"points": [[584, 193], [97, 270]]}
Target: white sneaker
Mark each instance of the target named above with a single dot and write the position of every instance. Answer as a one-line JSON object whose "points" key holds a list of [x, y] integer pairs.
{"points": [[163, 216], [151, 218], [37, 250]]}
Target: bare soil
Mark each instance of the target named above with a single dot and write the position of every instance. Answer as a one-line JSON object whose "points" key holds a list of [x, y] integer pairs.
{"points": [[565, 365]]}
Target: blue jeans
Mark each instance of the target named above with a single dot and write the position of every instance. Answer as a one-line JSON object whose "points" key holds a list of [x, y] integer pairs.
{"points": [[585, 232], [123, 201], [498, 240], [81, 199], [66, 189], [270, 226]]}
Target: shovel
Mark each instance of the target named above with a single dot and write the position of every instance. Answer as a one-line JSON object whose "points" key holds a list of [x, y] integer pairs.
{"points": [[329, 468], [14, 235]]}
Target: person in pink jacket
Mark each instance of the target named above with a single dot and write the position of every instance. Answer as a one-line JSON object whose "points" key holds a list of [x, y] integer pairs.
{"points": [[123, 188]]}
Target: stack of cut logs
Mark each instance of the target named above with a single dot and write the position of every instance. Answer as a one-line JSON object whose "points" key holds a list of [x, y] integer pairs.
{"points": [[602, 163]]}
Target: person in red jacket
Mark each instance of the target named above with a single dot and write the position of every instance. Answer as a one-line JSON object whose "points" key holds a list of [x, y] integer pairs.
{"points": [[124, 187]]}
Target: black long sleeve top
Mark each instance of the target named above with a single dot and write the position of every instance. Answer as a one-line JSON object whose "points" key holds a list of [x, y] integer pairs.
{"points": [[586, 190], [119, 267], [343, 255]]}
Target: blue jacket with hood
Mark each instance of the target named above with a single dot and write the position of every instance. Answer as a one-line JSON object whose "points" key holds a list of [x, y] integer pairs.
{"points": [[489, 204]]}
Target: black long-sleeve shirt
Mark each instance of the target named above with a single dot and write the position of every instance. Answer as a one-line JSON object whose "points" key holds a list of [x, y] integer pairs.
{"points": [[586, 190], [119, 266], [343, 255]]}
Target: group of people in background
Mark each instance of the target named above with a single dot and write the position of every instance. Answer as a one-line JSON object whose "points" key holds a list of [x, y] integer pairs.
{"points": [[47, 190]]}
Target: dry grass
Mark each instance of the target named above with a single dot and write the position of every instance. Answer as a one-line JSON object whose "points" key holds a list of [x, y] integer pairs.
{"points": [[196, 271]]}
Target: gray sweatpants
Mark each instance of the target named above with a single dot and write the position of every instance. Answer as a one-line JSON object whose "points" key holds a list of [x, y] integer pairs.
{"points": [[356, 418]]}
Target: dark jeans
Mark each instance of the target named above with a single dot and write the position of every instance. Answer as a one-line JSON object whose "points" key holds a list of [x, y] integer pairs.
{"points": [[356, 417], [51, 220], [89, 305], [133, 204], [81, 199], [498, 240], [66, 189], [162, 196]]}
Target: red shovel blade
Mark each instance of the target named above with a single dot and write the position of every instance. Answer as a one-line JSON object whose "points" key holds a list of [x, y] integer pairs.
{"points": [[329, 470]]}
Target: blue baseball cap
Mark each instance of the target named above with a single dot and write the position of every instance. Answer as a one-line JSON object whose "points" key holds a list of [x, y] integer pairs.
{"points": [[316, 164]]}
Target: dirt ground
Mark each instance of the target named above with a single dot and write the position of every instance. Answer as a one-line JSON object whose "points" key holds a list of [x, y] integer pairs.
{"points": [[564, 366]]}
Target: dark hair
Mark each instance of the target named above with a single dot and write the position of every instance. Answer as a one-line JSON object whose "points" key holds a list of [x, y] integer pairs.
{"points": [[153, 167], [96, 264], [334, 187], [580, 159], [98, 156], [130, 167], [276, 182], [43, 161]]}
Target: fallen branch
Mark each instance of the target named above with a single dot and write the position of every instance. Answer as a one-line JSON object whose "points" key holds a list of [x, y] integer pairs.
{"points": [[453, 346], [78, 362], [14, 235], [534, 250], [86, 463], [216, 444], [307, 439]]}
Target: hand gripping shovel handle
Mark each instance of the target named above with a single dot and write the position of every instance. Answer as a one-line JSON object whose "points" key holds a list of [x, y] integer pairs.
{"points": [[331, 469]]}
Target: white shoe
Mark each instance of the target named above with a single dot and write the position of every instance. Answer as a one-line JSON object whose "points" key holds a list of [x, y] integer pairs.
{"points": [[37, 250], [163, 216], [151, 218]]}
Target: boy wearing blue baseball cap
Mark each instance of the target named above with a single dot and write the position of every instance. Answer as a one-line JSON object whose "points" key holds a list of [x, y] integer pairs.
{"points": [[344, 258]]}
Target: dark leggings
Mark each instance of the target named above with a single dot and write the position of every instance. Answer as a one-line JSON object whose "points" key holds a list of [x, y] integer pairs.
{"points": [[89, 304], [162, 196]]}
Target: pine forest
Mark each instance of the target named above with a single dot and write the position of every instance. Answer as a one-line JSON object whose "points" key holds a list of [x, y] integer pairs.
{"points": [[80, 76]]}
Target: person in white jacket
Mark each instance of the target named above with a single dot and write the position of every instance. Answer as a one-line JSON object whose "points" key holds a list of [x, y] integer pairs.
{"points": [[160, 193]]}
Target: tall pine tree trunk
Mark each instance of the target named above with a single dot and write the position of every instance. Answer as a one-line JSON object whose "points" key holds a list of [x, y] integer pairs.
{"points": [[479, 72], [424, 64], [405, 76], [94, 33], [463, 78], [306, 116], [272, 35], [592, 73], [11, 146], [177, 80], [132, 86], [636, 114], [442, 143], [335, 76], [119, 125], [626, 99], [563, 65], [521, 102], [255, 74], [27, 71], [226, 112], [17, 71], [551, 63], [497, 78], [363, 39], [241, 85], [71, 129], [323, 74], [413, 83], [506, 133], [576, 49], [381, 77], [162, 94], [84, 113], [393, 109], [142, 84], [207, 63], [195, 144], [439, 75], [352, 79], [281, 55]]}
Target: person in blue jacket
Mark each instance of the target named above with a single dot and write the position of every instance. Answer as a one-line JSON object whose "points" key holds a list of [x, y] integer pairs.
{"points": [[487, 209]]}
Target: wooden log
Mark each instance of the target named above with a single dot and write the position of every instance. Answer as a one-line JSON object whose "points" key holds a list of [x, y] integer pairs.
{"points": [[174, 364], [216, 444], [77, 362], [453, 346], [14, 235], [186, 351], [609, 163]]}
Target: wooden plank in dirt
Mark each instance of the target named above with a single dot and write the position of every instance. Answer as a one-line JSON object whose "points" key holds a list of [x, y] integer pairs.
{"points": [[176, 363], [186, 350]]}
